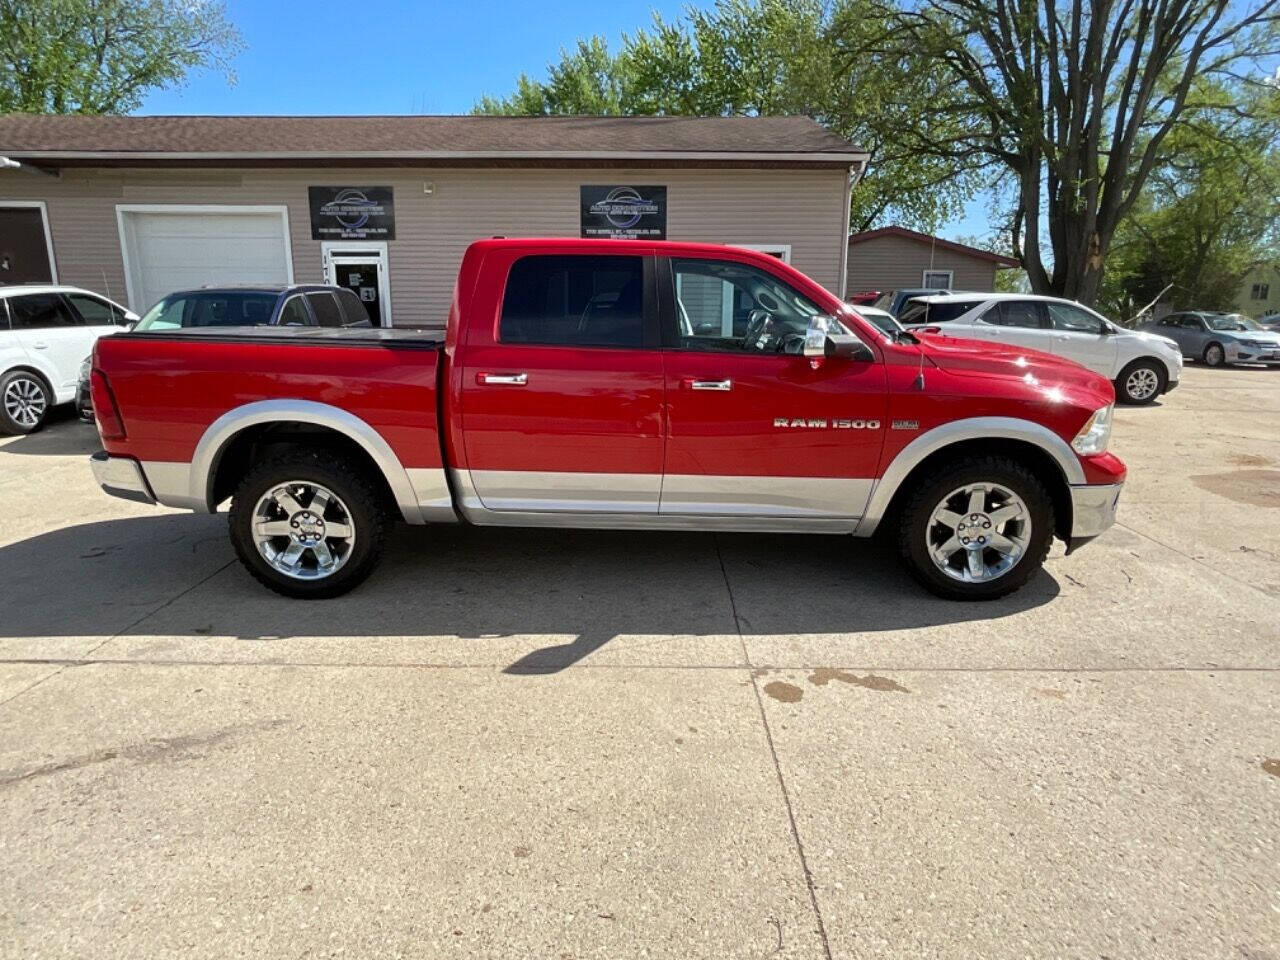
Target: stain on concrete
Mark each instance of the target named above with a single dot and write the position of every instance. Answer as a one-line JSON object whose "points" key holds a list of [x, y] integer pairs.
{"points": [[821, 676], [159, 750], [785, 692], [1052, 694], [760, 672], [1248, 460], [1272, 766], [1255, 488], [522, 852]]}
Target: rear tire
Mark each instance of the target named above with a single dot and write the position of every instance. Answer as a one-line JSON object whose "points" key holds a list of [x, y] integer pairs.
{"points": [[976, 529], [1141, 382], [307, 526], [25, 400], [1214, 355]]}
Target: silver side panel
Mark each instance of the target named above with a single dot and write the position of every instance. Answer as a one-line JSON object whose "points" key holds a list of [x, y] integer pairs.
{"points": [[974, 428], [814, 497], [431, 490], [220, 432], [171, 483], [533, 490]]}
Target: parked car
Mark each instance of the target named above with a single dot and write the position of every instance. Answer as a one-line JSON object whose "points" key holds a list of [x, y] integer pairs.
{"points": [[1218, 338], [894, 299], [863, 298], [882, 320], [303, 305], [1270, 321], [1141, 365], [46, 331], [575, 389]]}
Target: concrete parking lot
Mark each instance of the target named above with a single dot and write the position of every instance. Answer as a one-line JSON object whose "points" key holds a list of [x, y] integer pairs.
{"points": [[572, 744]]}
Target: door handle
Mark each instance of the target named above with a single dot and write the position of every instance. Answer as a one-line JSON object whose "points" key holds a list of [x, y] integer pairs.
{"points": [[40, 345], [720, 385], [503, 379]]}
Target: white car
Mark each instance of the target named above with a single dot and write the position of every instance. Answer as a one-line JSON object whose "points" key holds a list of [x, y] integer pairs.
{"points": [[1141, 365], [46, 332]]}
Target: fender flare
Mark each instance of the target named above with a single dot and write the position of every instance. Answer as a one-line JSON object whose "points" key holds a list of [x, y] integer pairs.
{"points": [[973, 428], [219, 434]]}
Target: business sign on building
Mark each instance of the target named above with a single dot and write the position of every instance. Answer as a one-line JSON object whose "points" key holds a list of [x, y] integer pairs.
{"points": [[634, 213], [352, 213]]}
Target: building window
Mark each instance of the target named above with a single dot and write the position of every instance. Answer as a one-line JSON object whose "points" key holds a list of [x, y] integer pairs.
{"points": [[937, 279], [780, 250], [1261, 291]]}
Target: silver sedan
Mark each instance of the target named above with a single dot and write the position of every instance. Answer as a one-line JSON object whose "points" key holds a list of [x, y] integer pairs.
{"points": [[1218, 338]]}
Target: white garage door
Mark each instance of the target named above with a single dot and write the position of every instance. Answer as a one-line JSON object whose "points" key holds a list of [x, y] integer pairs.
{"points": [[218, 246]]}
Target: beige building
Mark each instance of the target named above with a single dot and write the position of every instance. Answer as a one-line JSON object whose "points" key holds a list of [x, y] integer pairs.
{"points": [[136, 207], [1260, 291], [895, 258]]}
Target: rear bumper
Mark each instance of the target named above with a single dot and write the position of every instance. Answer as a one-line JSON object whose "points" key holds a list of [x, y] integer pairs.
{"points": [[121, 477], [1093, 510]]}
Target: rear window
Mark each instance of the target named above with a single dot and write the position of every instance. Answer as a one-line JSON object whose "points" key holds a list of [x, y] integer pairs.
{"points": [[326, 309], [209, 309], [917, 311], [578, 301]]}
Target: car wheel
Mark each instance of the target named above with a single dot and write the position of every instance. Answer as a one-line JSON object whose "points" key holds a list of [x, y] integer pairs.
{"points": [[976, 529], [25, 400], [306, 526], [1141, 382], [1214, 355]]}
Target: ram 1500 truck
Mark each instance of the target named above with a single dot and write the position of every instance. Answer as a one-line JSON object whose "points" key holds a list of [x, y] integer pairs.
{"points": [[619, 384]]}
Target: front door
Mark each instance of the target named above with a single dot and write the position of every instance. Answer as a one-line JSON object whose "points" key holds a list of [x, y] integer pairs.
{"points": [[362, 270], [754, 428], [54, 336], [562, 396], [24, 247], [1083, 336]]}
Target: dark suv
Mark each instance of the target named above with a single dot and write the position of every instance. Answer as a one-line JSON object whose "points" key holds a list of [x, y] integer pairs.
{"points": [[302, 305]]}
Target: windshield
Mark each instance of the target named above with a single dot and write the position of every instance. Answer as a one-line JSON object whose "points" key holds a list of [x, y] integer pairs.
{"points": [[209, 308], [1232, 321]]}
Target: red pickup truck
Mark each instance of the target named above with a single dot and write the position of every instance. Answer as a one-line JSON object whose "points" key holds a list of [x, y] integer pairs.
{"points": [[620, 384]]}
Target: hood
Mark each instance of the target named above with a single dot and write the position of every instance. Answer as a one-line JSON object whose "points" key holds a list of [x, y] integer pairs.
{"points": [[1259, 336], [1149, 335], [981, 358]]}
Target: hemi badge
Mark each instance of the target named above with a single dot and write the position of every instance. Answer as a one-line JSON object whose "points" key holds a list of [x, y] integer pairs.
{"points": [[906, 425]]}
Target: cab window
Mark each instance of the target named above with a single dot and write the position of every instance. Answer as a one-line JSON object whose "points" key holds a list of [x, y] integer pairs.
{"points": [[583, 301], [726, 306]]}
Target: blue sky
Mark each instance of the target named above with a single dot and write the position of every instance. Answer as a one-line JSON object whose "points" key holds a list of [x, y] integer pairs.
{"points": [[381, 56]]}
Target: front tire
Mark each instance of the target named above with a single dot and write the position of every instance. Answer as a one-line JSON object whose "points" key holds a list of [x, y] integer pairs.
{"points": [[25, 400], [1141, 382], [1214, 355], [307, 526], [976, 529]]}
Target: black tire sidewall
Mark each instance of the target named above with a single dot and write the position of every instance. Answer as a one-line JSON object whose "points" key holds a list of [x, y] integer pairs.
{"points": [[10, 426], [1122, 391], [919, 509], [349, 484]]}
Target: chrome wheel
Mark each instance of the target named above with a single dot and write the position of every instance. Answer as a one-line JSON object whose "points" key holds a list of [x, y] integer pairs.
{"points": [[303, 530], [1142, 384], [24, 402], [978, 532]]}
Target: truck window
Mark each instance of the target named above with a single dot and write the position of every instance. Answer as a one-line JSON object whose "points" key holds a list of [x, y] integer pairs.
{"points": [[720, 302], [294, 313], [353, 312], [326, 309], [574, 301]]}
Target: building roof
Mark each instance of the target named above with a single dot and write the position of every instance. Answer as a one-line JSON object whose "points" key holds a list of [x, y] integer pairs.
{"points": [[938, 242], [439, 139]]}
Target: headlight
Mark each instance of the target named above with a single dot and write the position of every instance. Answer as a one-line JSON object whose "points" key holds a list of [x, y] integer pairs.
{"points": [[1251, 344], [85, 368], [1094, 435]]}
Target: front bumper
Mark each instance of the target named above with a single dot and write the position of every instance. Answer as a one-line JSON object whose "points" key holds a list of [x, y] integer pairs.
{"points": [[1093, 510], [121, 477]]}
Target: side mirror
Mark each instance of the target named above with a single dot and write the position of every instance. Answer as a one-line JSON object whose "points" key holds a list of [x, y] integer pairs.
{"points": [[820, 342]]}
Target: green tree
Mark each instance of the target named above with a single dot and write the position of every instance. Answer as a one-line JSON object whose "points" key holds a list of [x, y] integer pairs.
{"points": [[767, 57], [103, 56], [1071, 105]]}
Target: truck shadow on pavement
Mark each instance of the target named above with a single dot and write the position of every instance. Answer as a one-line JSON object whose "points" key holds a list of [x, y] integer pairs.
{"points": [[460, 591], [64, 435]]}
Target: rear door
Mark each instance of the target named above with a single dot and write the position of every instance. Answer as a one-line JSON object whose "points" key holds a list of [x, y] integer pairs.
{"points": [[1021, 323], [562, 384], [1082, 336], [53, 336], [755, 429]]}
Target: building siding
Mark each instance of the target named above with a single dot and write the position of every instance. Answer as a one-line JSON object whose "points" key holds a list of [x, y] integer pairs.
{"points": [[803, 208], [895, 263]]}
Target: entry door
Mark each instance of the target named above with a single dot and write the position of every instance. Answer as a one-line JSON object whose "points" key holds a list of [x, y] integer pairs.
{"points": [[24, 247], [364, 273], [562, 396], [754, 428]]}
